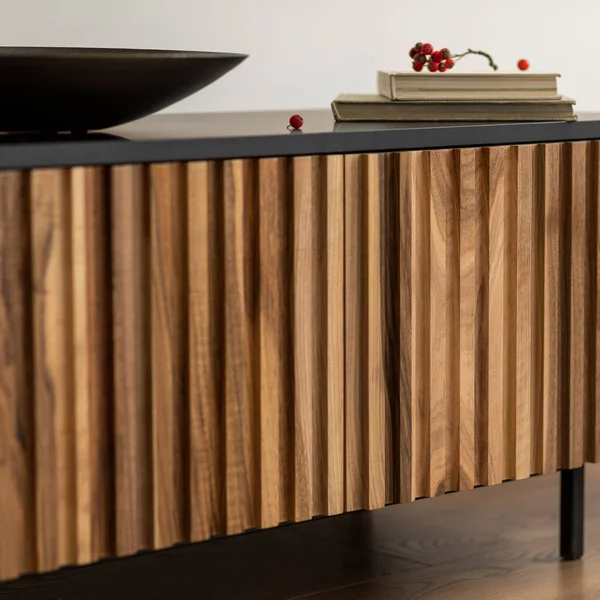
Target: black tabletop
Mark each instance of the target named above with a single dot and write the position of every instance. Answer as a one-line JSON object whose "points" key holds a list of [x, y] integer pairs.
{"points": [[174, 137]]}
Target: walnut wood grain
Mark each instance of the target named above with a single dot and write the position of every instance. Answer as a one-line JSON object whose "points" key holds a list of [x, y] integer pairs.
{"points": [[470, 225], [205, 349], [17, 476], [242, 500], [168, 324], [554, 325], [131, 359], [54, 408], [309, 322], [276, 390], [528, 296], [414, 291], [193, 350], [91, 363], [579, 300], [334, 191]]}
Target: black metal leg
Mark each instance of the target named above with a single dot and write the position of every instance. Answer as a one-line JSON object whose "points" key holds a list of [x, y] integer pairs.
{"points": [[571, 513]]}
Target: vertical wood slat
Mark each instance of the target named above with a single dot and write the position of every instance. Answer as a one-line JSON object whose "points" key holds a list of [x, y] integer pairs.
{"points": [[354, 278], [373, 350], [131, 361], [414, 292], [498, 329], [275, 364], [91, 363], [53, 384], [553, 325], [444, 327], [309, 352], [365, 334], [579, 306], [241, 360], [335, 333], [17, 507], [470, 224], [528, 310], [594, 411], [501, 391], [168, 341], [482, 320], [205, 349]]}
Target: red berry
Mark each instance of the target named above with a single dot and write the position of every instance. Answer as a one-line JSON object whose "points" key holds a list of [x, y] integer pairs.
{"points": [[433, 66], [445, 53], [413, 52], [450, 63], [523, 64], [417, 66], [442, 67], [296, 121], [427, 49], [418, 46], [437, 56], [421, 58]]}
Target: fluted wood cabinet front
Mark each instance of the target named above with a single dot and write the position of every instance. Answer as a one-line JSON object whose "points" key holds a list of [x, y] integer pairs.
{"points": [[196, 349]]}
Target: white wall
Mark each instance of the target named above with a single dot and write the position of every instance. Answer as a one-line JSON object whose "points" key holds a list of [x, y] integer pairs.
{"points": [[305, 52]]}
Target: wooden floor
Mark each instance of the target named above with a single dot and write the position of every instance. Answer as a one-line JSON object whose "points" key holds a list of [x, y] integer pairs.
{"points": [[496, 543]]}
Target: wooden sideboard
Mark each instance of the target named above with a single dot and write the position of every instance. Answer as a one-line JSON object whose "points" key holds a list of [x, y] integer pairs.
{"points": [[197, 348]]}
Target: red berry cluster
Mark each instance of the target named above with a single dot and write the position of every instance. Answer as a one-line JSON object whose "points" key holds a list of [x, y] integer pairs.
{"points": [[424, 55]]}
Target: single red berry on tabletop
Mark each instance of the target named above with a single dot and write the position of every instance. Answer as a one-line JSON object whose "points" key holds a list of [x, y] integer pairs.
{"points": [[523, 64], [445, 53], [417, 66], [427, 49], [450, 63], [437, 56], [420, 58], [296, 121], [413, 52], [433, 66], [442, 67]]}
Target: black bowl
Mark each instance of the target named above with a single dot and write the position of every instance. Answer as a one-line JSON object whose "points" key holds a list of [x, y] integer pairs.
{"points": [[82, 89]]}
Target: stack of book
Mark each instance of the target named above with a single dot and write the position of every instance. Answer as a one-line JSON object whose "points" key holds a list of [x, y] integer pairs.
{"points": [[458, 97]]}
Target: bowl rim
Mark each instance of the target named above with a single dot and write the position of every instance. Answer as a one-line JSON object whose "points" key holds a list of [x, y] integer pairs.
{"points": [[93, 52]]}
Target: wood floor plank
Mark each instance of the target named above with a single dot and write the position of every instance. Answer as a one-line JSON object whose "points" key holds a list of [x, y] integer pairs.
{"points": [[309, 351], [241, 322], [275, 343], [168, 340], [131, 323], [92, 359], [335, 335], [54, 400], [579, 305], [205, 348], [17, 501]]}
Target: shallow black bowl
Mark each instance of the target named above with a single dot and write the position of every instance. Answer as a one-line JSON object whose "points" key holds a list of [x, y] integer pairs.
{"points": [[82, 89]]}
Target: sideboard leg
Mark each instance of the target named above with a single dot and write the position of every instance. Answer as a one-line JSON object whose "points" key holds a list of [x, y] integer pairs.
{"points": [[571, 513]]}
